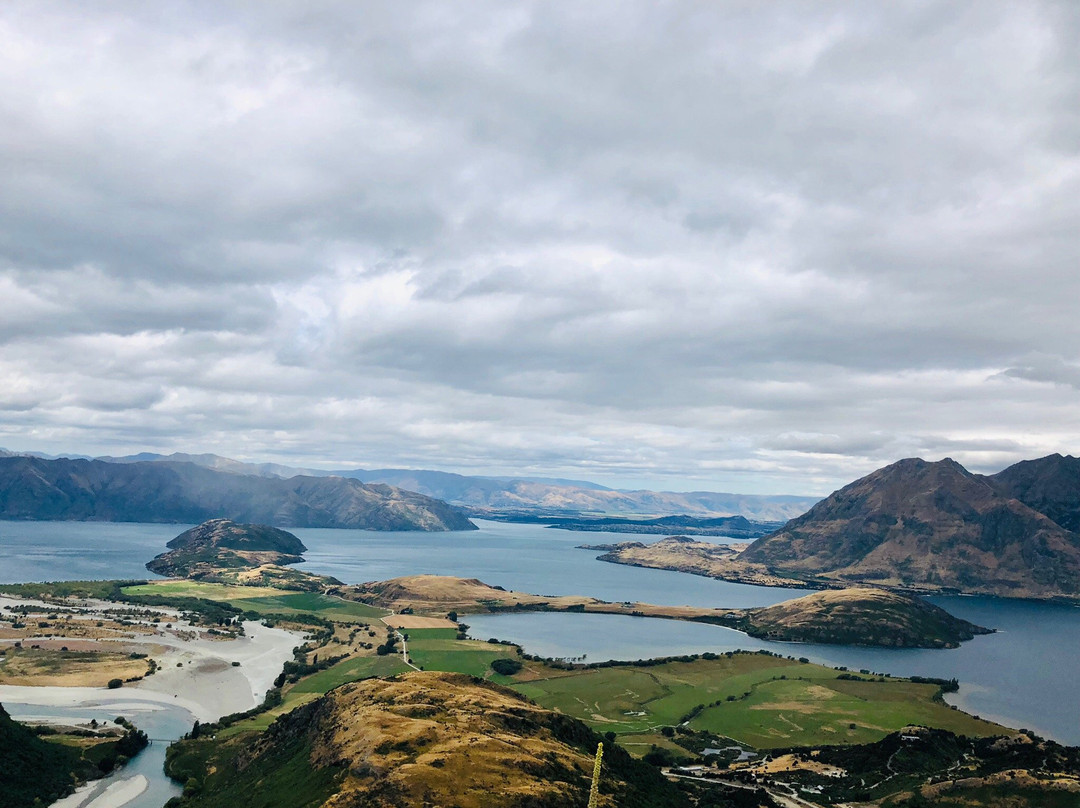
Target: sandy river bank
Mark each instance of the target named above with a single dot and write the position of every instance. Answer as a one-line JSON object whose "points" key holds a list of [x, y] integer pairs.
{"points": [[196, 678]]}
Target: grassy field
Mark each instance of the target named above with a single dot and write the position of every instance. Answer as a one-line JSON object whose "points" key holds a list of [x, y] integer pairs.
{"points": [[57, 668], [331, 608], [265, 600], [763, 701], [804, 712], [197, 589], [437, 650], [349, 670], [311, 687]]}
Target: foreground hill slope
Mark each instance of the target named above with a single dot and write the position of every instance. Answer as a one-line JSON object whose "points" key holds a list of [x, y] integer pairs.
{"points": [[421, 739], [91, 490], [933, 526]]}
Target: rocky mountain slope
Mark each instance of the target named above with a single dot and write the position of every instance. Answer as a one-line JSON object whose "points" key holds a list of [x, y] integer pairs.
{"points": [[1049, 485], [422, 739], [929, 526], [91, 490]]}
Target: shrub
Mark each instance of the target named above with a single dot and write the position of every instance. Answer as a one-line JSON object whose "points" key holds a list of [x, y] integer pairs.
{"points": [[115, 683], [506, 667]]}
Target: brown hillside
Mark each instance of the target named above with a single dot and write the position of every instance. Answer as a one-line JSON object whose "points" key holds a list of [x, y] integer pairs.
{"points": [[1050, 485], [421, 739], [927, 525], [861, 616]]}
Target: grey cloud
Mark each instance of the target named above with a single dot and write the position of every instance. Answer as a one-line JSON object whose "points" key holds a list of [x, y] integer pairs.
{"points": [[1048, 369], [732, 245]]}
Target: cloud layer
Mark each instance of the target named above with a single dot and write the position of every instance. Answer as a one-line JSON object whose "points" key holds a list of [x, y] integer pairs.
{"points": [[757, 247]]}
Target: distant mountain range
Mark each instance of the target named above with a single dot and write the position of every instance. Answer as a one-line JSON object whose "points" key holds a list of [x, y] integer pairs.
{"points": [[175, 492], [938, 526], [527, 495]]}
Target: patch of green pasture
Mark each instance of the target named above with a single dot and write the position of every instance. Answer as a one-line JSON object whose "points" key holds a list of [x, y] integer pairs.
{"points": [[264, 600], [760, 700], [258, 723], [199, 589], [327, 606], [611, 698], [607, 698], [418, 634], [349, 670], [311, 687], [798, 712], [458, 656]]}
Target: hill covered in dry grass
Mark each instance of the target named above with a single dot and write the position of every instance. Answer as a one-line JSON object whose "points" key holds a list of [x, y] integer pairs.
{"points": [[421, 739]]}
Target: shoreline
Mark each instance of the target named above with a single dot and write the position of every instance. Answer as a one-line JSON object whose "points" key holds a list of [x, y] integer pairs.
{"points": [[197, 675]]}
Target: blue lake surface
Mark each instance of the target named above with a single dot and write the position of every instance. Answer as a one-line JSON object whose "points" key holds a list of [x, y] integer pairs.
{"points": [[1026, 675], [80, 551], [527, 558]]}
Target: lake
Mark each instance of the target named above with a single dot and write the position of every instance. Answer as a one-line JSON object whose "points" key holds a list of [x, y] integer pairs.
{"points": [[1025, 675]]}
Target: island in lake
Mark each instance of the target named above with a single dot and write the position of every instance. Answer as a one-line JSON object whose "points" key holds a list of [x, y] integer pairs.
{"points": [[222, 551]]}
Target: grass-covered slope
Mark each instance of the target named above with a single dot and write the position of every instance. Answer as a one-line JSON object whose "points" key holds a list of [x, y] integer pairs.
{"points": [[860, 616], [34, 771], [32, 768], [415, 740]]}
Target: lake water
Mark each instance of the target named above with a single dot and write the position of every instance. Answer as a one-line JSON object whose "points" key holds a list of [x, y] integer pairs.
{"points": [[1028, 674], [79, 551]]}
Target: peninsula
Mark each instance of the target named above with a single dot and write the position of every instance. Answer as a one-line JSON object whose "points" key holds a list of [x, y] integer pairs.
{"points": [[859, 616], [852, 616]]}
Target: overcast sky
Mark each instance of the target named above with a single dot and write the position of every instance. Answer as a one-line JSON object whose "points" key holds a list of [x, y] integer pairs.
{"points": [[744, 246]]}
